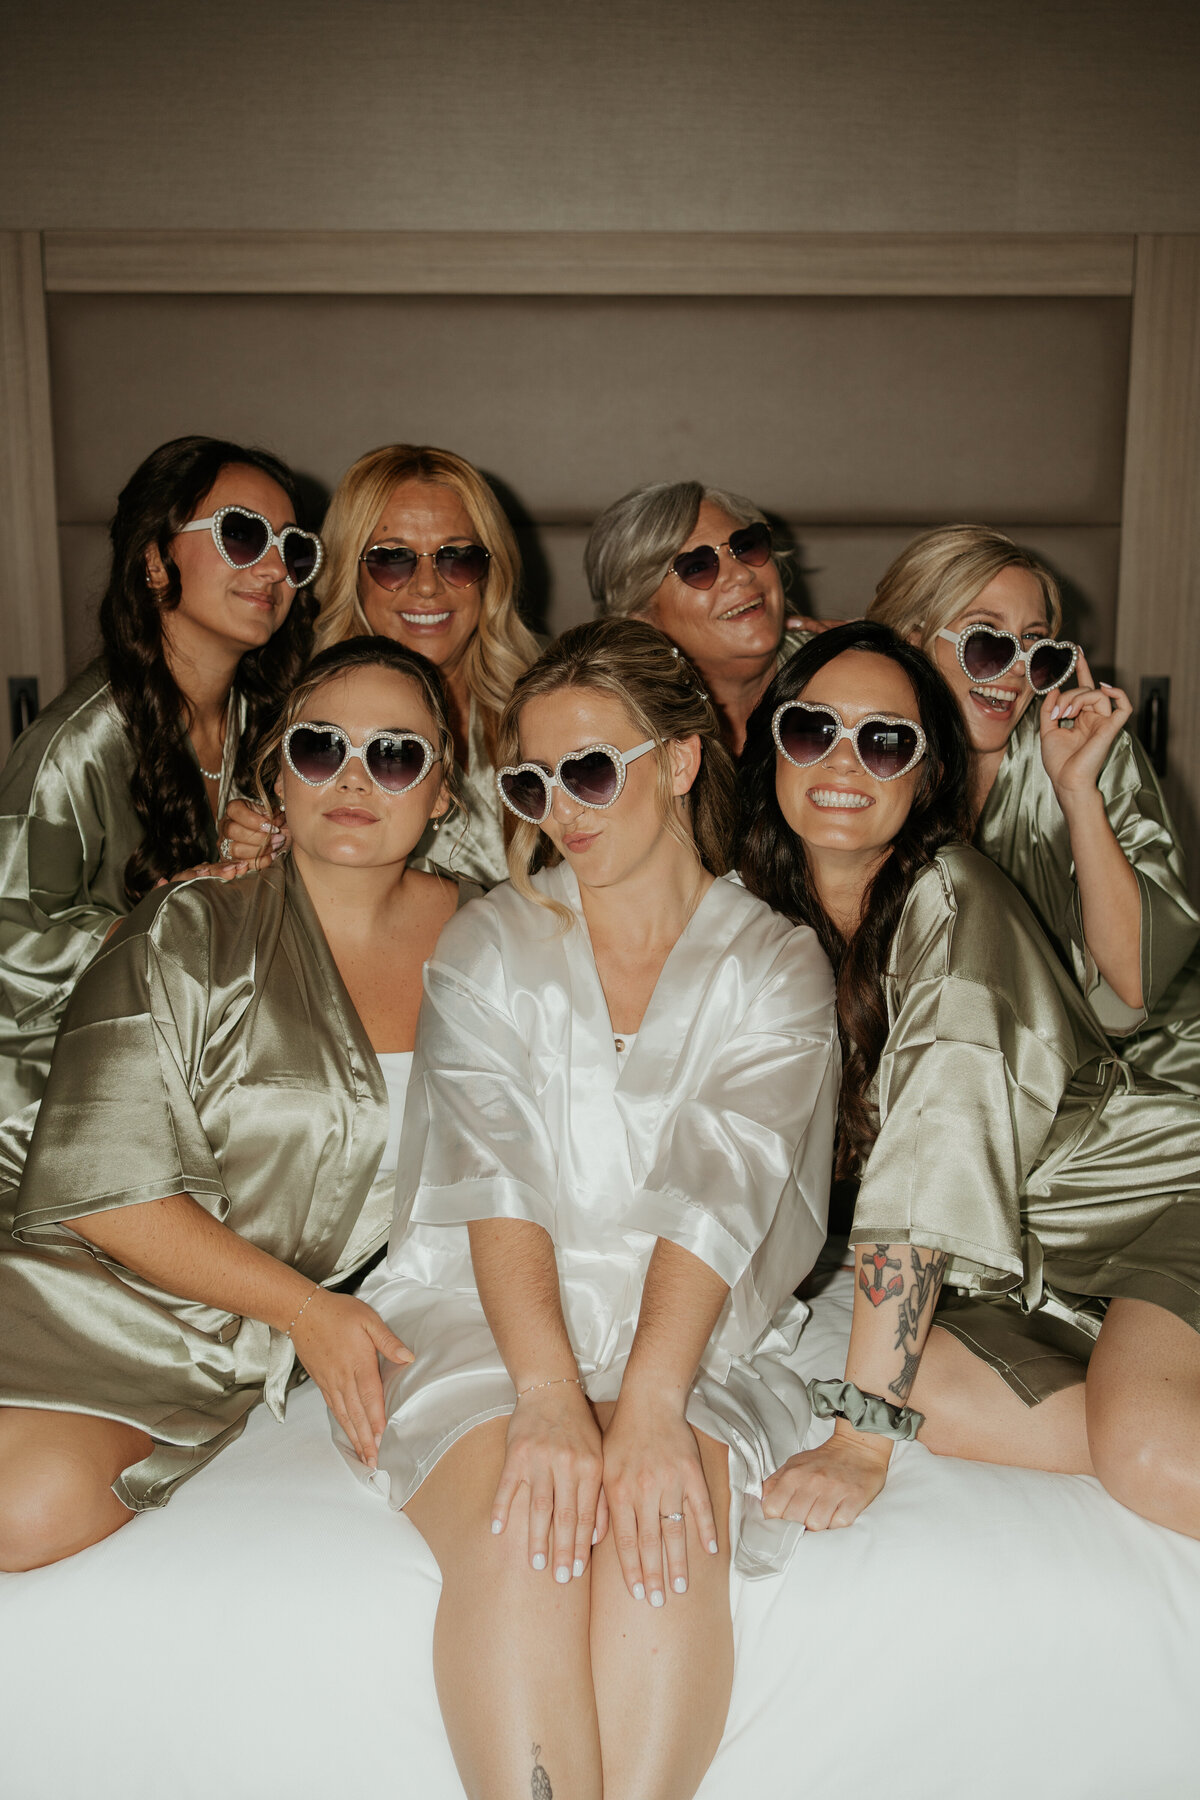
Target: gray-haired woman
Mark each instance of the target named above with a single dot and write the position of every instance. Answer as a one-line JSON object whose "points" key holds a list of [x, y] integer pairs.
{"points": [[699, 563]]}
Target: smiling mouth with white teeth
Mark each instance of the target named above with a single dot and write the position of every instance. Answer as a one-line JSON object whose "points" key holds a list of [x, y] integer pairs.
{"points": [[738, 612], [837, 797], [425, 618], [996, 699]]}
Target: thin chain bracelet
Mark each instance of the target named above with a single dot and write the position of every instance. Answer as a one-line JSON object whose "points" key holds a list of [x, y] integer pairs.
{"points": [[559, 1381], [300, 1314]]}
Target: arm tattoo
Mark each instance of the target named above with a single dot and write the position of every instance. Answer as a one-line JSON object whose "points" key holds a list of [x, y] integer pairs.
{"points": [[872, 1275], [921, 1296], [539, 1785]]}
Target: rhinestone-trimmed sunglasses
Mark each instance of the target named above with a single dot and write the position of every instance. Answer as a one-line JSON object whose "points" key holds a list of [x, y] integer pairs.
{"points": [[700, 566], [884, 745], [394, 760], [593, 777], [985, 654], [244, 537], [393, 566]]}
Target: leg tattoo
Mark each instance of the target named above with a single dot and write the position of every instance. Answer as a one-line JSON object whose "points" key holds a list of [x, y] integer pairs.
{"points": [[539, 1785]]}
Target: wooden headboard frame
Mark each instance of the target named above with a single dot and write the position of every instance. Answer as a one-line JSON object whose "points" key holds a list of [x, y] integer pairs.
{"points": [[1158, 606]]}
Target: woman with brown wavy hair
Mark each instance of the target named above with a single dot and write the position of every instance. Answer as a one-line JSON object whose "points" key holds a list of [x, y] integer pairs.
{"points": [[418, 550], [617, 1159], [206, 622], [1005, 1151]]}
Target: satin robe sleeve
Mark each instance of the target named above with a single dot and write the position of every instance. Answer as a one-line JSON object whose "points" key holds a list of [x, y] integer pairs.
{"points": [[485, 1150], [982, 1046], [118, 1125], [733, 1148], [1138, 815]]}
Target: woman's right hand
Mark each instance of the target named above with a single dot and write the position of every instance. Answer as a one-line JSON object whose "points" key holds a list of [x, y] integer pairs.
{"points": [[250, 835], [339, 1340], [554, 1449]]}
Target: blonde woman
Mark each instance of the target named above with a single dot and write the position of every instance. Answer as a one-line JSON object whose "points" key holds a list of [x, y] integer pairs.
{"points": [[617, 1153], [699, 563], [417, 549], [1064, 799]]}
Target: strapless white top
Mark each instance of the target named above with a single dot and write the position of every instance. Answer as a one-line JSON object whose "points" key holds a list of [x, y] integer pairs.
{"points": [[396, 1066]]}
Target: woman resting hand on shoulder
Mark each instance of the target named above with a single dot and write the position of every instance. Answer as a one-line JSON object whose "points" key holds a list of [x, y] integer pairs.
{"points": [[217, 1143], [615, 1174], [1005, 1152]]}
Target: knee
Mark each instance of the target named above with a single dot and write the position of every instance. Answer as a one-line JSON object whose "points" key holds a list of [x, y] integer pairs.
{"points": [[49, 1507], [1148, 1472]]}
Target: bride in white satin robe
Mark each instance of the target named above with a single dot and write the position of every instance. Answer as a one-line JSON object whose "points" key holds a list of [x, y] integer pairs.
{"points": [[613, 1175]]}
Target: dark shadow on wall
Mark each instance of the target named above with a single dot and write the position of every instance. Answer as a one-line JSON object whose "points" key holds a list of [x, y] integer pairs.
{"points": [[797, 591], [535, 593]]}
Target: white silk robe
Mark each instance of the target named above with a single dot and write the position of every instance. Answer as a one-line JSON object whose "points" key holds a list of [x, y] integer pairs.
{"points": [[717, 1135]]}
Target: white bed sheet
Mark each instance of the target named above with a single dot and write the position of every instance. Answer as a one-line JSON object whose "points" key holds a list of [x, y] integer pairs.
{"points": [[980, 1633]]}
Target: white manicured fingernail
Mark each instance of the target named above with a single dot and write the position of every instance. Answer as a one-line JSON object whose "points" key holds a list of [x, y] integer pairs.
{"points": [[639, 1592], [596, 1536], [578, 1567], [497, 1527], [712, 1546], [679, 1584], [539, 1561], [562, 1573], [658, 1598]]}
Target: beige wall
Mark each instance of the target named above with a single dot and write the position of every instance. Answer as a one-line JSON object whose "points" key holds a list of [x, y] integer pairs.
{"points": [[790, 115]]}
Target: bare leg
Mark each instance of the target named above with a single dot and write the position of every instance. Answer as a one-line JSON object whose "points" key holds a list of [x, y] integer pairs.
{"points": [[56, 1476], [970, 1411], [1143, 1413], [663, 1675], [510, 1646]]}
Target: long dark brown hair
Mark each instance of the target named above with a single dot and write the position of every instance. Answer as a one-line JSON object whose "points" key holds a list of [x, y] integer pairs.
{"points": [[167, 788], [774, 865]]}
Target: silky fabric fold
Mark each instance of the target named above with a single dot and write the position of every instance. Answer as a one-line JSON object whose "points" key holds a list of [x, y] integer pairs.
{"points": [[1011, 1134], [716, 1135], [67, 830], [1023, 829], [470, 846], [210, 1049]]}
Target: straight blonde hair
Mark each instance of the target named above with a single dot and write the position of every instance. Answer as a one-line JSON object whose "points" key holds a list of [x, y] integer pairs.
{"points": [[936, 577], [665, 700], [502, 647]]}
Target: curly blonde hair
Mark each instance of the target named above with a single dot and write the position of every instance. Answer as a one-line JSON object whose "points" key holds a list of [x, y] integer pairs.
{"points": [[935, 578], [502, 647], [665, 700]]}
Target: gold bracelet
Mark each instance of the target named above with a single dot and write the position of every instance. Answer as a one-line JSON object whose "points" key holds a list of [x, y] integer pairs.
{"points": [[559, 1381], [300, 1314]]}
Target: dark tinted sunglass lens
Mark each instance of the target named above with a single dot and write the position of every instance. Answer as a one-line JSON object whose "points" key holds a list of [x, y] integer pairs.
{"points": [[751, 545], [591, 779], [698, 567], [525, 792], [390, 565], [299, 557], [807, 736], [462, 565], [1049, 664], [986, 654], [315, 754], [886, 748], [244, 538], [395, 762]]}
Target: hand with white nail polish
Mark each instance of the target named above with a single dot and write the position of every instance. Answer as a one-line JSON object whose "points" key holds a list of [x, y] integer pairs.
{"points": [[554, 1451], [254, 836], [656, 1491]]}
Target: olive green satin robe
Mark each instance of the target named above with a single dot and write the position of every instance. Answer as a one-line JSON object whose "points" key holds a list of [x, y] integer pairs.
{"points": [[1011, 1134], [1022, 828], [470, 848], [210, 1049], [67, 830]]}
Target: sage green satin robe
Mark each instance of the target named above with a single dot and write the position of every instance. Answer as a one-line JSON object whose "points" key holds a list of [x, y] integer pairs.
{"points": [[210, 1049], [472, 849], [1012, 1136], [67, 830], [1022, 828]]}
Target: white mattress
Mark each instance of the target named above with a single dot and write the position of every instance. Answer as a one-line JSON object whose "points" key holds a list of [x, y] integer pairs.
{"points": [[980, 1633]]}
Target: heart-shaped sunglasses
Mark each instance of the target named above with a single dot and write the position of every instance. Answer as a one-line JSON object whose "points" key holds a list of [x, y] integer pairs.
{"points": [[984, 655], [394, 760], [393, 566], [593, 777], [700, 566], [885, 746], [244, 537]]}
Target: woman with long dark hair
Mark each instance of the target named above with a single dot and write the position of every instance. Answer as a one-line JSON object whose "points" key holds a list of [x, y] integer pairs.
{"points": [[217, 1144], [206, 623], [1005, 1150]]}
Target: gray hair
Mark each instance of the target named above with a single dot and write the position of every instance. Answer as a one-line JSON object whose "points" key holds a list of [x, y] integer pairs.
{"points": [[635, 540]]}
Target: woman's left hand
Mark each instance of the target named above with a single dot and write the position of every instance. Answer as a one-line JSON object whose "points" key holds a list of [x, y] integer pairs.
{"points": [[653, 1479], [1075, 756], [828, 1487]]}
